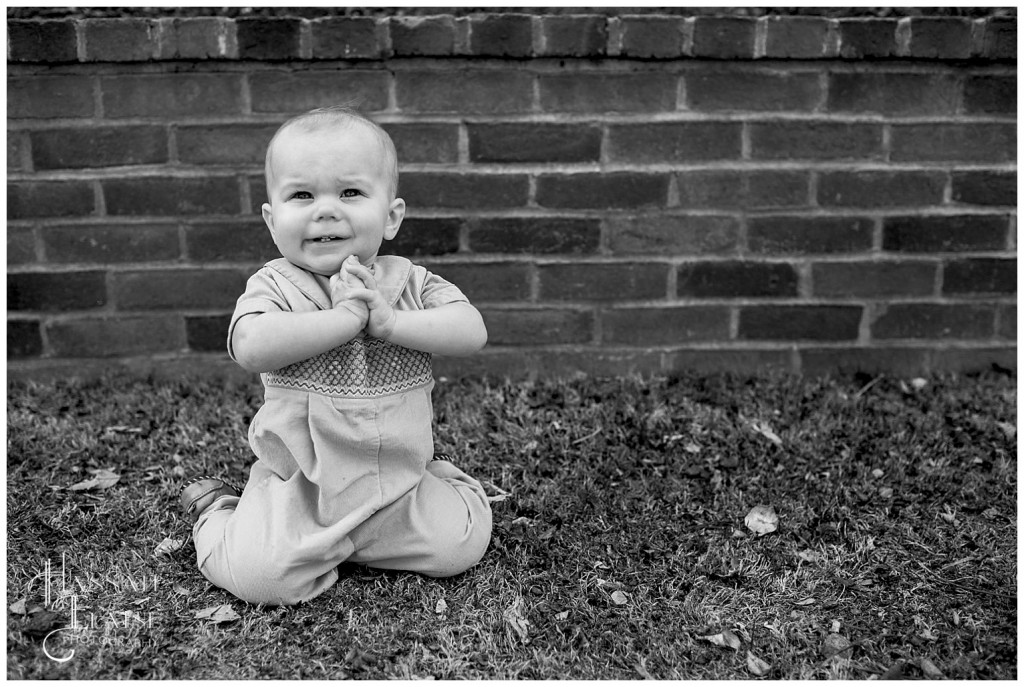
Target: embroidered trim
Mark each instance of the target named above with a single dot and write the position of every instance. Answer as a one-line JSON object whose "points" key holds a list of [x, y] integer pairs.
{"points": [[364, 366]]}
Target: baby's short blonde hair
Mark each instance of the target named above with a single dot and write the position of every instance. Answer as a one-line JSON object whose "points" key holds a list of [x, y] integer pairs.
{"points": [[324, 117]]}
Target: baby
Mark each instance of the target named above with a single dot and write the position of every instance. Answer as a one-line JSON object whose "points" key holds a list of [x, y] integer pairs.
{"points": [[345, 467]]}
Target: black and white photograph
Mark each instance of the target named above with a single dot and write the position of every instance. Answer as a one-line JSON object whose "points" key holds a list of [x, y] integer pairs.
{"points": [[511, 343]]}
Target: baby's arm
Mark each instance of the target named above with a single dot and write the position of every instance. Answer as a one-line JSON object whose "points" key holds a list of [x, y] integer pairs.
{"points": [[452, 329], [267, 341]]}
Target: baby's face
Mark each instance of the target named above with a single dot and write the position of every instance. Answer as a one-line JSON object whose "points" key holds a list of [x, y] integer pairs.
{"points": [[330, 197]]}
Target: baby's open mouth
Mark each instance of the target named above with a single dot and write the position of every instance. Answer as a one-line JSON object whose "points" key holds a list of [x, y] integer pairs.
{"points": [[326, 239]]}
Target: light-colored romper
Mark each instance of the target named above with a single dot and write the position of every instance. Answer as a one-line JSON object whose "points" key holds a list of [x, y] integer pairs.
{"points": [[343, 445]]}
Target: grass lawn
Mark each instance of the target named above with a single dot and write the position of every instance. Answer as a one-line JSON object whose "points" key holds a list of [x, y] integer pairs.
{"points": [[620, 548]]}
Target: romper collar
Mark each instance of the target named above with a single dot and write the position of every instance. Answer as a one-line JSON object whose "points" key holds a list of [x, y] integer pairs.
{"points": [[391, 272]]}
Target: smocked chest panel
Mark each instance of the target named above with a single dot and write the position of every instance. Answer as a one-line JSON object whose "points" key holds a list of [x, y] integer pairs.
{"points": [[363, 367]]}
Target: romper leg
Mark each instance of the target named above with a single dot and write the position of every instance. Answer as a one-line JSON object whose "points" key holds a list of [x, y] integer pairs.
{"points": [[267, 546], [439, 528]]}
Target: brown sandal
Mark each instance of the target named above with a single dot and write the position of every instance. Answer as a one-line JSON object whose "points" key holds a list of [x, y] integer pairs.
{"points": [[199, 494]]}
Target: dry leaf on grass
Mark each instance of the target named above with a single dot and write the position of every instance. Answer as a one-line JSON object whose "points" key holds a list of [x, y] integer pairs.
{"points": [[727, 639], [761, 520], [441, 606], [620, 598], [930, 670], [168, 546], [19, 607], [101, 479], [757, 666], [805, 602], [835, 644], [515, 620], [564, 615], [218, 614], [765, 430]]}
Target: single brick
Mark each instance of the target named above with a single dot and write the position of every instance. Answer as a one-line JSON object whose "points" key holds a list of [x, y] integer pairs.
{"points": [[24, 339], [652, 36], [116, 336], [809, 235], [268, 38], [880, 189], [724, 38], [177, 289], [537, 235], [47, 97], [18, 151], [975, 142], [28, 199], [860, 38], [664, 326], [212, 144], [873, 279], [293, 92], [422, 36], [729, 190], [595, 93], [672, 234], [872, 360], [346, 38], [172, 196], [248, 241], [944, 233], [105, 146], [425, 236], [107, 244], [207, 333], [990, 94], [736, 279], [467, 92], [199, 38], [675, 142], [596, 190], [749, 362], [536, 327], [796, 38], [603, 281], [933, 321], [946, 38], [425, 142], [800, 322], [985, 188], [56, 291], [892, 93], [501, 35], [815, 141], [584, 35], [534, 143], [172, 95], [488, 281], [969, 276], [974, 359], [21, 245], [51, 41], [120, 40], [999, 40], [1007, 328], [752, 90], [452, 190]]}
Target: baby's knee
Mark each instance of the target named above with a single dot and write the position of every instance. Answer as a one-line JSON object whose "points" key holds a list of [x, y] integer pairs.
{"points": [[268, 579], [453, 555]]}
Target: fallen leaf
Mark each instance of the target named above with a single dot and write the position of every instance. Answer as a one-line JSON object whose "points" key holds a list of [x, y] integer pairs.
{"points": [[756, 665], [564, 615], [765, 430], [498, 498], [441, 607], [929, 669], [761, 520], [102, 479], [1008, 429], [834, 644], [519, 624], [620, 598], [727, 639], [918, 383], [809, 556], [877, 472], [805, 602], [885, 493], [18, 607], [218, 614], [178, 589], [895, 672], [168, 546]]}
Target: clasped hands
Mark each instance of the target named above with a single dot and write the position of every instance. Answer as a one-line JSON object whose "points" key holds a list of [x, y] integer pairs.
{"points": [[355, 289]]}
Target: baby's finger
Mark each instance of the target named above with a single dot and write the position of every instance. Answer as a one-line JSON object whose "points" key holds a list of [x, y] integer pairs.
{"points": [[362, 273]]}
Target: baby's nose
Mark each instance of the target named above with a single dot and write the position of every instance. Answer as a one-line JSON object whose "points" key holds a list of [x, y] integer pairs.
{"points": [[327, 208]]}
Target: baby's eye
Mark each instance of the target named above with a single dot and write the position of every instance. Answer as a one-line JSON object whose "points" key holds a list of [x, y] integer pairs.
{"points": [[302, 195], [350, 193]]}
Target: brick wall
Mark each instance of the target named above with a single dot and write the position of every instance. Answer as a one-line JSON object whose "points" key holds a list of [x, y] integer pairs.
{"points": [[616, 194]]}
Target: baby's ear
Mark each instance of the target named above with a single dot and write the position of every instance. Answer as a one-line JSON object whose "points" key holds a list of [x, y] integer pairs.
{"points": [[268, 217], [396, 213]]}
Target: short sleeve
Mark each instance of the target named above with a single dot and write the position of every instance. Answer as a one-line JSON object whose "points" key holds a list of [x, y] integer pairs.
{"points": [[437, 291], [261, 295]]}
